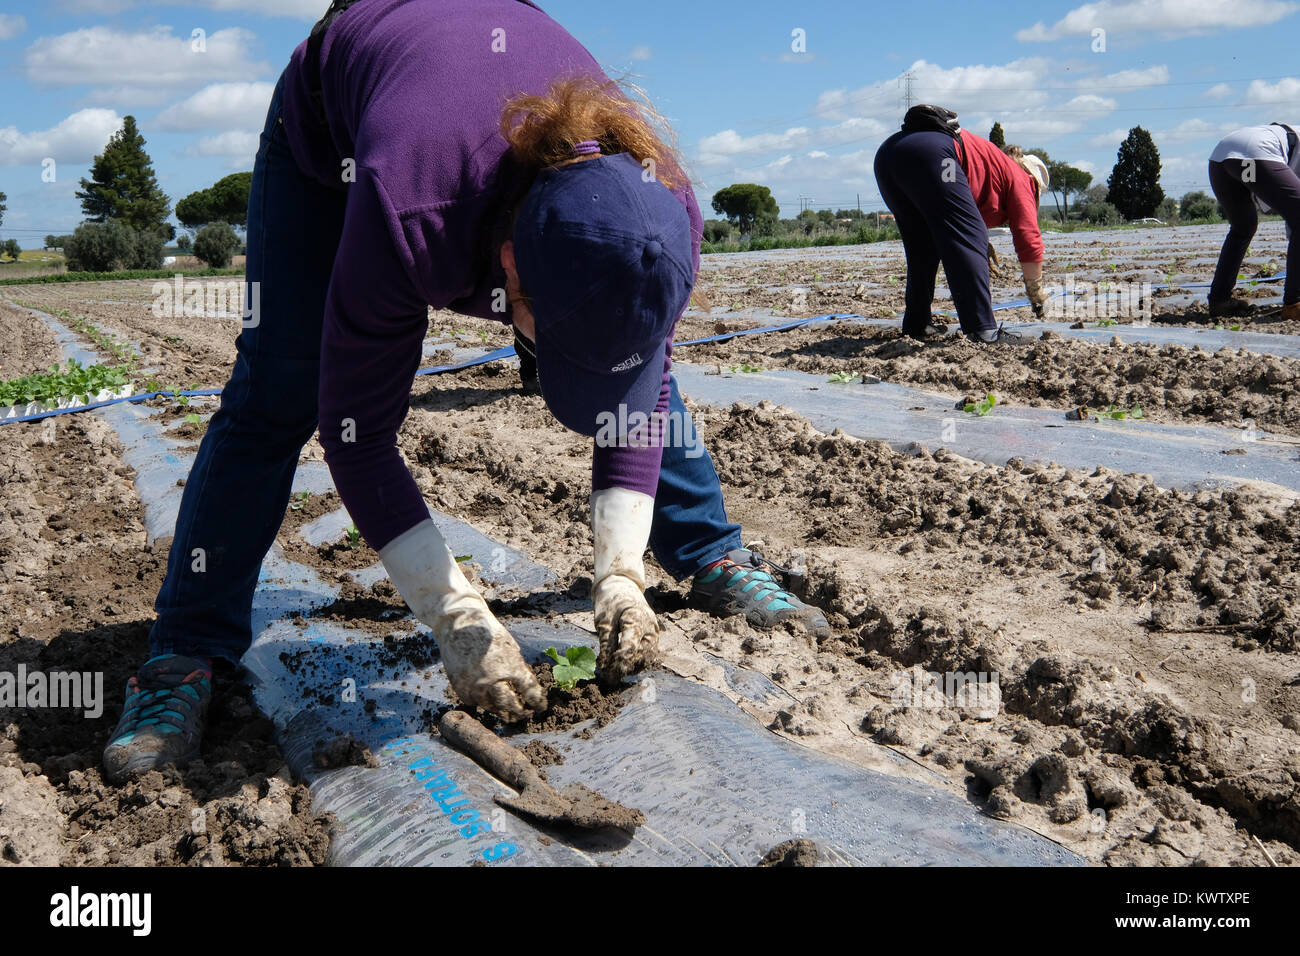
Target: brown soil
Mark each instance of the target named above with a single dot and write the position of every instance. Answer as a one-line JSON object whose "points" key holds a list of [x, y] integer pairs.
{"points": [[1143, 640], [791, 853], [77, 582], [343, 751]]}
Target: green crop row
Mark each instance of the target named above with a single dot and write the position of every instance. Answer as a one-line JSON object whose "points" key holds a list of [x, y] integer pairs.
{"points": [[77, 382], [123, 274]]}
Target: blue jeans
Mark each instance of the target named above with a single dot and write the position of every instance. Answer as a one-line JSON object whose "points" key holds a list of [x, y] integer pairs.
{"points": [[239, 485]]}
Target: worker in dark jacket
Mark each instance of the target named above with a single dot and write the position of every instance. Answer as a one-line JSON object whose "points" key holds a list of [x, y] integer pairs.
{"points": [[946, 187], [470, 155]]}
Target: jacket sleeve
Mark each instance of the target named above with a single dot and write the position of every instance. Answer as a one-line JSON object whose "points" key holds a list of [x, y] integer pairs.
{"points": [[1022, 216], [374, 327]]}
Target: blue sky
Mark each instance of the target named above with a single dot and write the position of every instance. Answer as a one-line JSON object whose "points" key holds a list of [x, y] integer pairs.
{"points": [[747, 107]]}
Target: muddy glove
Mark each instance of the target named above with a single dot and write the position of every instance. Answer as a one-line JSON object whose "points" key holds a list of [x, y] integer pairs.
{"points": [[628, 629], [482, 660], [1037, 297]]}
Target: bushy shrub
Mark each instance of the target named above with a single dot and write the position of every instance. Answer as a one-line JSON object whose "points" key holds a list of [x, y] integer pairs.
{"points": [[1102, 214], [12, 249], [215, 244], [109, 246], [1197, 205]]}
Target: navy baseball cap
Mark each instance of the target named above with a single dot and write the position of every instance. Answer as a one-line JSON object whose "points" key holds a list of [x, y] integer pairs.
{"points": [[604, 258]]}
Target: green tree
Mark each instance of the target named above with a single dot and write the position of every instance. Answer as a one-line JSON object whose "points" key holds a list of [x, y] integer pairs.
{"points": [[806, 221], [1196, 205], [1167, 211], [3, 207], [996, 136], [751, 207], [1064, 181], [716, 230], [112, 245], [1102, 213], [215, 243], [1135, 180], [122, 185], [12, 249], [184, 242], [226, 200]]}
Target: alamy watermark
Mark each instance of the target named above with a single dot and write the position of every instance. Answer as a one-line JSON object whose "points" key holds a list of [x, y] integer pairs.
{"points": [[977, 691], [1082, 300], [77, 690], [636, 429], [208, 298]]}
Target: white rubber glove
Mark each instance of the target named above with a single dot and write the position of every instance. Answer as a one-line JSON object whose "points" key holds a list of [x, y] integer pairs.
{"points": [[628, 629], [482, 660]]}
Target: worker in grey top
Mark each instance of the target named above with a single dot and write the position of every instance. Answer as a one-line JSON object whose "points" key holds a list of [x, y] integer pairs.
{"points": [[1256, 169]]}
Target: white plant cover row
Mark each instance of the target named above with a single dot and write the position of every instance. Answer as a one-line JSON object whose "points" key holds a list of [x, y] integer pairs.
{"points": [[36, 408]]}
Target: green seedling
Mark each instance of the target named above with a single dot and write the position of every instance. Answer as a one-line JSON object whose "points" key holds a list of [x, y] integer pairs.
{"points": [[1118, 413], [300, 501], [462, 558], [354, 536], [853, 378], [193, 418], [982, 407], [483, 335], [578, 663], [745, 368], [1106, 323]]}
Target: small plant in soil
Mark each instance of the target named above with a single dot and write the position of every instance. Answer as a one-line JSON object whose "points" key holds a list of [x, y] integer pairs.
{"points": [[578, 663], [1118, 413], [848, 378], [981, 407], [742, 368], [1106, 323], [462, 558], [299, 501], [353, 535]]}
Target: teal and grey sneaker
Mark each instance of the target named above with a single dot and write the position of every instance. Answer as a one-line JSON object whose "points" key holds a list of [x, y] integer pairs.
{"points": [[743, 583], [162, 716]]}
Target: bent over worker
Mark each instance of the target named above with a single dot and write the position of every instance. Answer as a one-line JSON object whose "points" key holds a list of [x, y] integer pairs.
{"points": [[478, 175], [1256, 166], [946, 187]]}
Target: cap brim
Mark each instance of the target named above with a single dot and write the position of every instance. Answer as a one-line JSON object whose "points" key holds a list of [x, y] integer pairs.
{"points": [[587, 402]]}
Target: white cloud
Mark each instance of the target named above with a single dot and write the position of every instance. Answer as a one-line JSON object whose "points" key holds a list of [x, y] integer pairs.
{"points": [[236, 147], [1284, 90], [1219, 91], [1129, 79], [1193, 129], [296, 9], [102, 56], [1168, 17], [640, 53], [1091, 103], [11, 24], [723, 146], [1015, 86], [221, 106], [74, 141]]}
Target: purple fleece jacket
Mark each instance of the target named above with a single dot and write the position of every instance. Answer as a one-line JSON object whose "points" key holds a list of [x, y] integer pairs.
{"points": [[413, 92]]}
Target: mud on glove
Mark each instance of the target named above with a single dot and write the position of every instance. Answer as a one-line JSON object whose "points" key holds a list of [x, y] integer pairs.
{"points": [[482, 660], [625, 624]]}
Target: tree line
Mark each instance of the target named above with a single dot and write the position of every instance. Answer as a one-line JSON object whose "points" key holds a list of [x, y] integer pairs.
{"points": [[126, 213], [1132, 191]]}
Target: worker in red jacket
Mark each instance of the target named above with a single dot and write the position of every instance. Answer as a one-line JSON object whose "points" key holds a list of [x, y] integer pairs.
{"points": [[946, 187]]}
